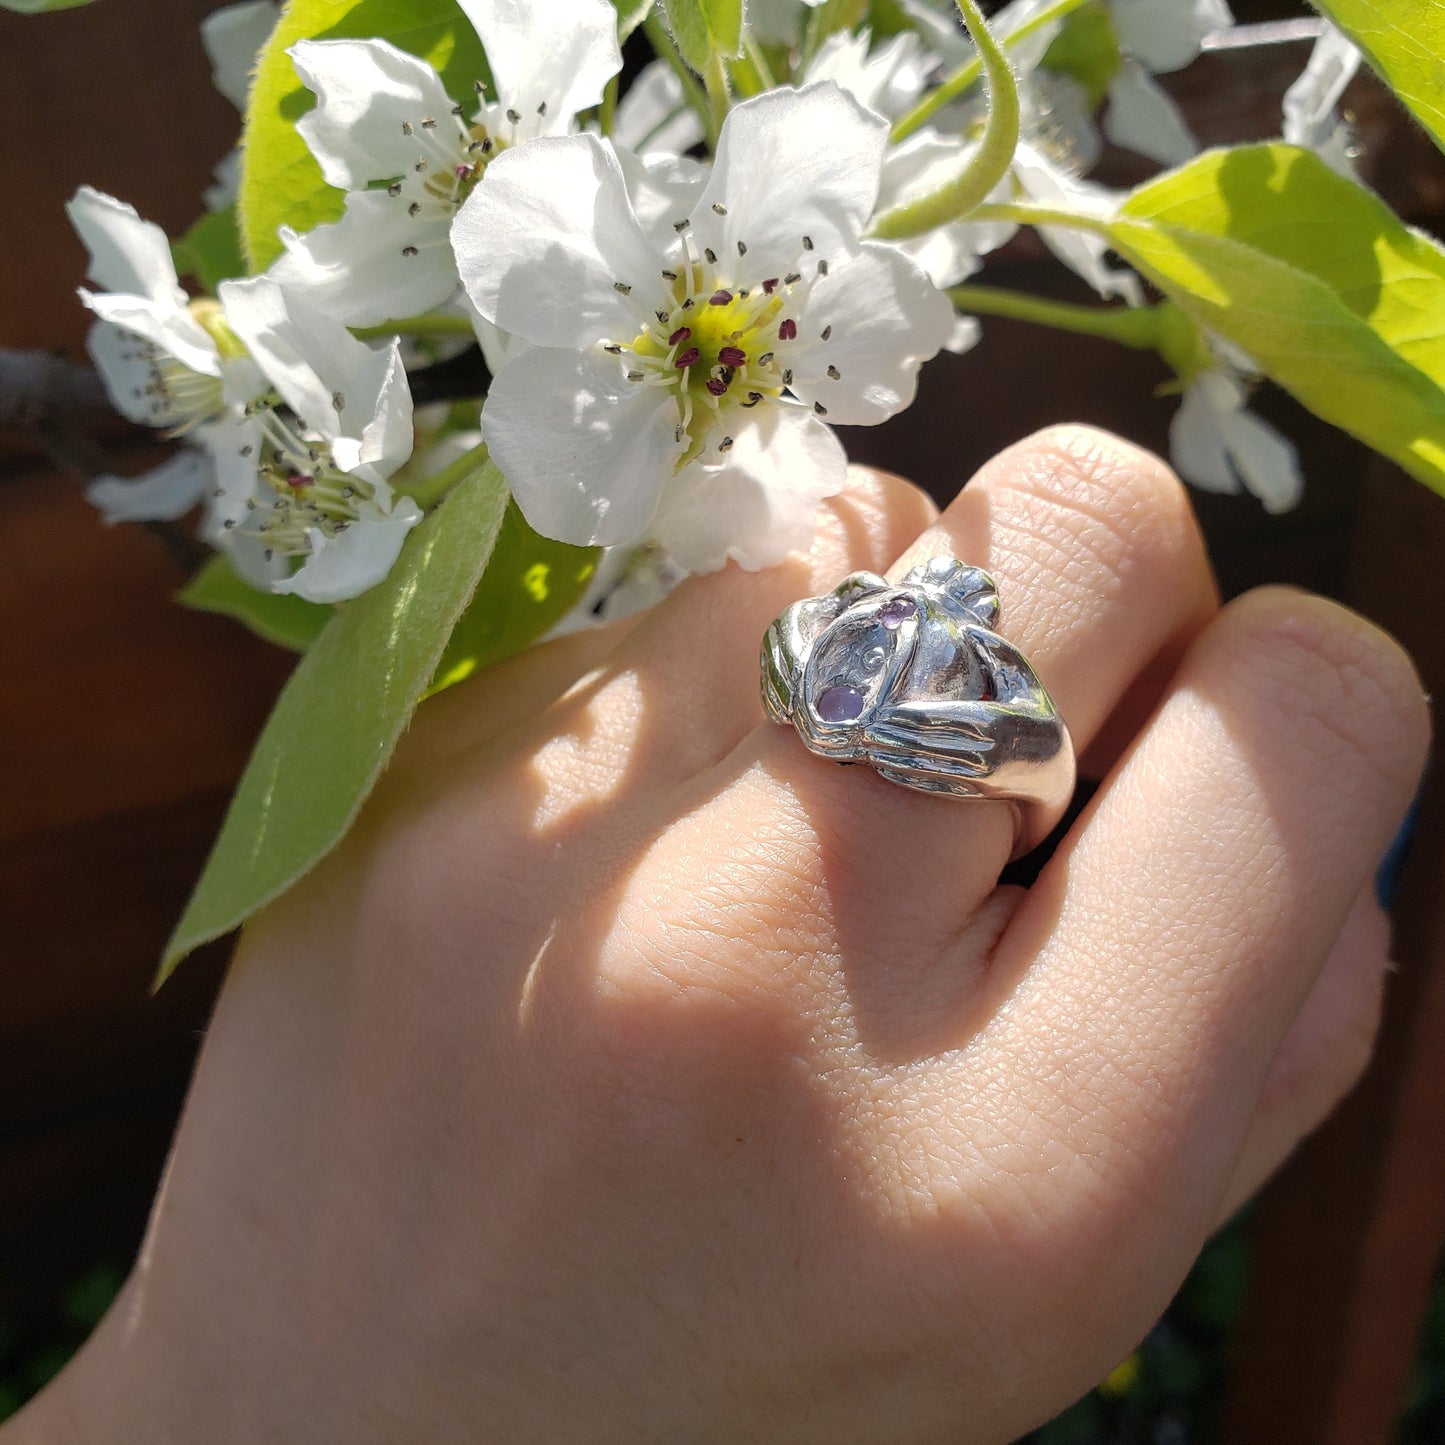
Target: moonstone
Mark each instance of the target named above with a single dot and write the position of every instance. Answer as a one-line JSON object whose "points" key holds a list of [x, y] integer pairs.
{"points": [[840, 704]]}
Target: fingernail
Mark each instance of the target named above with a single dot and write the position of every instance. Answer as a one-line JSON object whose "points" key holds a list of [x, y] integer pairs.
{"points": [[1387, 879]]}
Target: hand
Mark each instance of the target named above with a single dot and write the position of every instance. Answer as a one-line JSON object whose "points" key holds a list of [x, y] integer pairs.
{"points": [[633, 1074]]}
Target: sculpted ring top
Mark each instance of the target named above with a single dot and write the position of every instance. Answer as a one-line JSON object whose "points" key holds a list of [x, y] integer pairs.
{"points": [[911, 678]]}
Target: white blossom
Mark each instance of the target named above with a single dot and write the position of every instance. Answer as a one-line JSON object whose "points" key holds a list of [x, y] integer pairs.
{"points": [[1219, 445], [1311, 119], [680, 386], [302, 476], [384, 116], [654, 117]]}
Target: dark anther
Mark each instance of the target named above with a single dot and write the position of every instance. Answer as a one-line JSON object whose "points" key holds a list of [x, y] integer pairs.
{"points": [[612, 348], [822, 268], [690, 357], [754, 397], [787, 329], [414, 209], [669, 275], [742, 249], [725, 445], [636, 375], [716, 385], [719, 208], [406, 128], [732, 356], [827, 331], [680, 335], [719, 298], [820, 408], [458, 110], [710, 254], [835, 373], [394, 189], [770, 286], [409, 251], [542, 109], [766, 357], [428, 124], [807, 243], [513, 116], [788, 376], [681, 226], [622, 288], [792, 278], [662, 316]]}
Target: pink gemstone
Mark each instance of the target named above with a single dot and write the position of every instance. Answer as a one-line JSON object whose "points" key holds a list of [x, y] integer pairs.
{"points": [[840, 704], [896, 611]]}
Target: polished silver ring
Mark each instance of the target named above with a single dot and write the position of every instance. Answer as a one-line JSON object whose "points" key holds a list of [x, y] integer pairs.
{"points": [[911, 678]]}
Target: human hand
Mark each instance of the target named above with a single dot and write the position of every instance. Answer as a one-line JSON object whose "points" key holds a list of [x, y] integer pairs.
{"points": [[632, 1074]]}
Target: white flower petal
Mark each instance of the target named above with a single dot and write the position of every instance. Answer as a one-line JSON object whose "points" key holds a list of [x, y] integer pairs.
{"points": [[366, 90], [965, 335], [662, 188], [357, 269], [1267, 461], [1043, 181], [170, 328], [354, 560], [1142, 118], [232, 37], [1197, 445], [585, 453], [339, 386], [884, 318], [1309, 104], [128, 371], [560, 54], [546, 237], [654, 116], [791, 163], [127, 254], [227, 187], [888, 79], [1166, 34], [758, 506], [163, 494]]}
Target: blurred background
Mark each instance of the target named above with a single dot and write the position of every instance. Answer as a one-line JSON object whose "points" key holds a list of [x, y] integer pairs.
{"points": [[125, 721]]}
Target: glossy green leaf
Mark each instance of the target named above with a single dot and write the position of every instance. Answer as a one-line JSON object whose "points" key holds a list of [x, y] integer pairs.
{"points": [[1330, 293], [337, 720], [281, 183], [278, 617], [1404, 40], [211, 250], [704, 28], [529, 584], [630, 14]]}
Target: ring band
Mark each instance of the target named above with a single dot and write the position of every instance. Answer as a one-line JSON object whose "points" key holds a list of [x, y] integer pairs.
{"points": [[911, 678]]}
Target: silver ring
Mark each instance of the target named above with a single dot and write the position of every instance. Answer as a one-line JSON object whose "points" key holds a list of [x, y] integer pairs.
{"points": [[911, 678]]}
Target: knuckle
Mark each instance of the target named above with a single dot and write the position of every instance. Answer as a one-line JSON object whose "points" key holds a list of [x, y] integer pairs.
{"points": [[868, 523], [1074, 493], [1347, 690]]}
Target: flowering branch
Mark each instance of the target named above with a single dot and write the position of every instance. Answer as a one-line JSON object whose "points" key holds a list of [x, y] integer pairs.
{"points": [[434, 324], [428, 492], [988, 164]]}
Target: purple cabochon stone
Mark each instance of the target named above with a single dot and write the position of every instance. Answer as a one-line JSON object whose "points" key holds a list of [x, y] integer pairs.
{"points": [[840, 704], [896, 611]]}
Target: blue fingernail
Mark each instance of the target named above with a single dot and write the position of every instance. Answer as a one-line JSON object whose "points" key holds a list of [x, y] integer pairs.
{"points": [[1387, 879]]}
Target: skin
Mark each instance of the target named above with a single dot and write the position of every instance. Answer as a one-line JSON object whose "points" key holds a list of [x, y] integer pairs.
{"points": [[632, 1074]]}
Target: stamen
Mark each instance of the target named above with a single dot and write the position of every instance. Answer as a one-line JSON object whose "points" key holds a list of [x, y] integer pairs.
{"points": [[725, 445], [826, 332], [807, 243], [409, 251], [770, 286], [622, 288], [680, 335], [822, 268], [787, 329], [720, 298], [682, 225], [719, 208], [690, 357], [716, 385], [516, 119], [820, 408], [732, 356], [792, 279], [669, 275], [835, 373], [742, 249], [394, 189], [710, 254]]}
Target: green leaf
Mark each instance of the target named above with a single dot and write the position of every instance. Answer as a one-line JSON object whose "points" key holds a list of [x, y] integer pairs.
{"points": [[704, 28], [1404, 40], [529, 584], [1087, 48], [211, 250], [1330, 293], [337, 720], [39, 7], [281, 183], [630, 14], [278, 617]]}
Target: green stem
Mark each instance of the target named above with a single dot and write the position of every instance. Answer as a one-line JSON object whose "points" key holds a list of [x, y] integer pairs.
{"points": [[428, 492], [1136, 326], [750, 72], [718, 96], [433, 325], [1024, 214], [967, 73], [990, 161], [663, 47], [607, 111]]}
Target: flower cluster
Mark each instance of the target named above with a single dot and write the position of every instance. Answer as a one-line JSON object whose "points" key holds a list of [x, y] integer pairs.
{"points": [[678, 294]]}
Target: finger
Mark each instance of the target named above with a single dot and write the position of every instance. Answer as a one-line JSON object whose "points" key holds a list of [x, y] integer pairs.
{"points": [[1161, 958], [1100, 568], [682, 690], [1323, 1054]]}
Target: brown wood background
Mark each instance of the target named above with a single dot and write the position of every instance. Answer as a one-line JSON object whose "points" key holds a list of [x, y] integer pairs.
{"points": [[124, 721]]}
